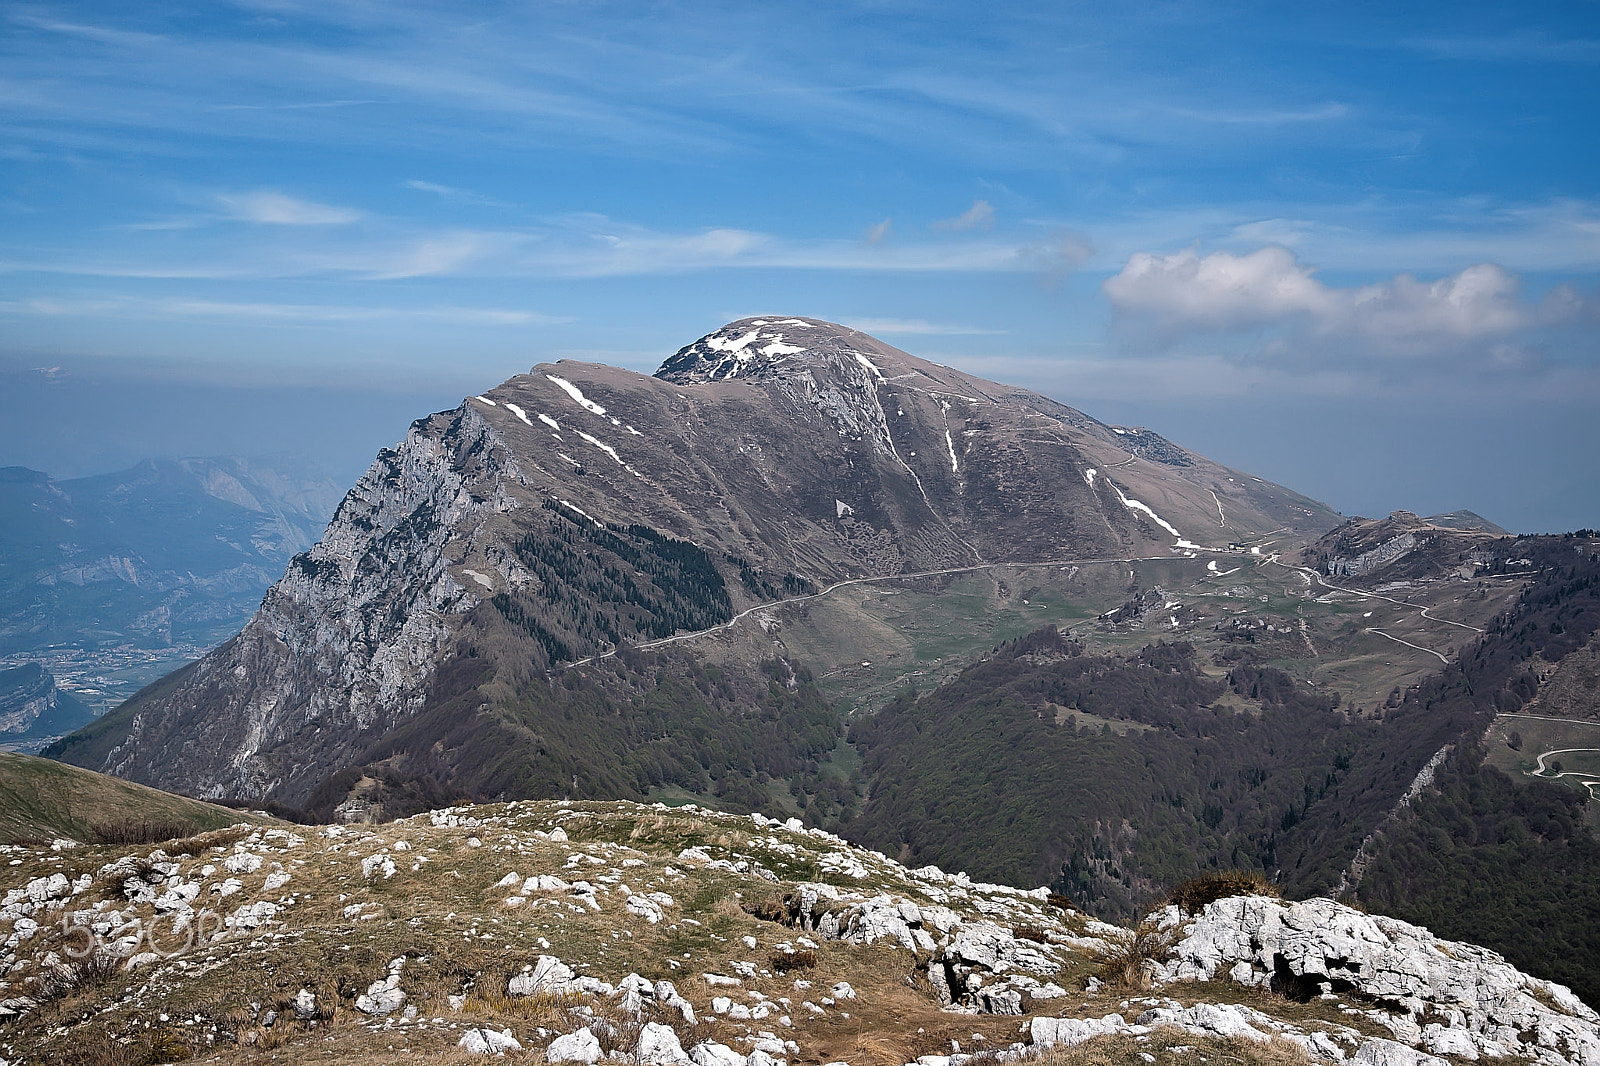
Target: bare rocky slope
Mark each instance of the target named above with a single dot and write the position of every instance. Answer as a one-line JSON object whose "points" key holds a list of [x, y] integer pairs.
{"points": [[653, 936], [580, 508]]}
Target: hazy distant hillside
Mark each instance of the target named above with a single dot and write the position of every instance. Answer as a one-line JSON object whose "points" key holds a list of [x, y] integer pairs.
{"points": [[33, 709], [169, 552]]}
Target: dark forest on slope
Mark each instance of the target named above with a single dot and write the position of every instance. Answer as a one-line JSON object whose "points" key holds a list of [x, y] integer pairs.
{"points": [[496, 724]]}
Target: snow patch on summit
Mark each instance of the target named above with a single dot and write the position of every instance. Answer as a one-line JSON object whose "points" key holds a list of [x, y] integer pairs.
{"points": [[577, 394], [1136, 505], [738, 348]]}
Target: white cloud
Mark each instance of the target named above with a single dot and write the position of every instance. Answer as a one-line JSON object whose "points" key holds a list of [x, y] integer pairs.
{"points": [[876, 234], [274, 208], [447, 253], [979, 215], [1220, 291], [1224, 292]]}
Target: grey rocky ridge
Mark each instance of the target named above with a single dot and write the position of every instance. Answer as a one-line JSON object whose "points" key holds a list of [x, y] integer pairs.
{"points": [[516, 928], [579, 508]]}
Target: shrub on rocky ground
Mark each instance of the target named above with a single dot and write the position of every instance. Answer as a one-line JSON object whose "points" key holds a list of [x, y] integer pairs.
{"points": [[1123, 962], [1193, 895]]}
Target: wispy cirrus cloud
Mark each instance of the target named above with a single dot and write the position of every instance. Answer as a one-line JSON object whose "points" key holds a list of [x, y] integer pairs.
{"points": [[271, 207], [1518, 47], [1266, 116], [450, 192], [979, 216]]}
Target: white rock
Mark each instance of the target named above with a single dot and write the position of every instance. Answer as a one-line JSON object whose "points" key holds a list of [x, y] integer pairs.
{"points": [[709, 1054], [1212, 1019], [41, 889], [1378, 1052], [842, 990], [645, 908], [382, 863], [1446, 1041], [549, 974], [251, 915], [659, 1046], [1491, 1006], [545, 883], [1047, 1032], [488, 1042], [634, 983], [305, 1005], [242, 862], [381, 997], [582, 1046]]}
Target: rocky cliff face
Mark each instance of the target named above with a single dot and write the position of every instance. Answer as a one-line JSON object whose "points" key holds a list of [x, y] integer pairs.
{"points": [[32, 706], [344, 641], [582, 506]]}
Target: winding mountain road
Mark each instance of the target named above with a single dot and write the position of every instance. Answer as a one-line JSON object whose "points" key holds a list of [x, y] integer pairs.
{"points": [[1422, 611], [679, 638], [1586, 779]]}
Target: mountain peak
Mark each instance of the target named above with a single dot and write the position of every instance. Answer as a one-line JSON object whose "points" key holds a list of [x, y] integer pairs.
{"points": [[757, 347]]}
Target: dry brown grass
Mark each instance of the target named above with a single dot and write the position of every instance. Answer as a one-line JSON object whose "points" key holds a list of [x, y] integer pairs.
{"points": [[200, 843], [785, 961], [138, 831], [1164, 1044], [1193, 895], [729, 906], [1123, 965]]}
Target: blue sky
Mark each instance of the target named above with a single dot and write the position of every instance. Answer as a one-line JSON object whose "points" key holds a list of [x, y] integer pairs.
{"points": [[1353, 249]]}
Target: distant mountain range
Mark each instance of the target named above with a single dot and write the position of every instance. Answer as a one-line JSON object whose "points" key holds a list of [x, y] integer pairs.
{"points": [[166, 552]]}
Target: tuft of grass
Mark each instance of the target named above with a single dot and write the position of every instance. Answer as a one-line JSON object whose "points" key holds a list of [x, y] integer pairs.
{"points": [[166, 1046], [1030, 932], [784, 961], [1193, 895], [769, 908], [200, 843], [1124, 964]]}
